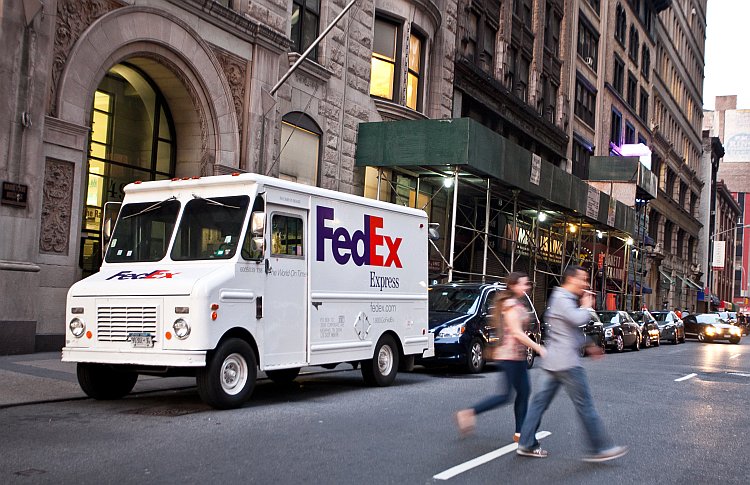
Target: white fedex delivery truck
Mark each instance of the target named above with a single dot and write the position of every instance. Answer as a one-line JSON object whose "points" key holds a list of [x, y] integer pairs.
{"points": [[218, 277]]}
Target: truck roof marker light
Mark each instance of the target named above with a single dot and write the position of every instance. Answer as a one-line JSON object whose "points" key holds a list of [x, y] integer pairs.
{"points": [[168, 335], [138, 182], [196, 177], [88, 334], [185, 178], [235, 174], [214, 306], [214, 315], [175, 179]]}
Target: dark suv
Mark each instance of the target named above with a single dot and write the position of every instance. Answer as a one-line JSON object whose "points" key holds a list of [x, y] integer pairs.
{"points": [[459, 316]]}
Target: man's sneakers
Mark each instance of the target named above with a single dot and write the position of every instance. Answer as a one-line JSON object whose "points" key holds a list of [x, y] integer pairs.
{"points": [[606, 455], [537, 452], [466, 421]]}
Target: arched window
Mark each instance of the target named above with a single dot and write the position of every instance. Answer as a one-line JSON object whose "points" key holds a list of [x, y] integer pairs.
{"points": [[645, 61], [634, 44], [132, 138], [620, 23], [300, 148]]}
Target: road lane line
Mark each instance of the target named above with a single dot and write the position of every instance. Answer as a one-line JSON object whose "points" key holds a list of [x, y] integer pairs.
{"points": [[481, 460], [738, 374], [735, 356], [684, 378]]}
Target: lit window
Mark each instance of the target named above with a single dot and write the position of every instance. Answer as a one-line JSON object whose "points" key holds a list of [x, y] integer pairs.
{"points": [[300, 149], [413, 78], [305, 21], [382, 76]]}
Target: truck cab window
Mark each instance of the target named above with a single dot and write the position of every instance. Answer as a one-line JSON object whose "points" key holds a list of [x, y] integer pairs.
{"points": [[210, 228], [286, 236], [143, 232]]}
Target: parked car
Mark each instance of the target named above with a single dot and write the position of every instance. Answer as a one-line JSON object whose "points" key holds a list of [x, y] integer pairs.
{"points": [[728, 317], [459, 316], [649, 328], [707, 327], [620, 330], [671, 326], [593, 332]]}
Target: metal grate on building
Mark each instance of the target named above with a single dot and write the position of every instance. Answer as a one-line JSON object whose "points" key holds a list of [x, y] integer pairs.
{"points": [[114, 323]]}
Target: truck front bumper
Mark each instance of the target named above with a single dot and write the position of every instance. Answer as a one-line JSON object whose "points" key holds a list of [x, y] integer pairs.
{"points": [[164, 358]]}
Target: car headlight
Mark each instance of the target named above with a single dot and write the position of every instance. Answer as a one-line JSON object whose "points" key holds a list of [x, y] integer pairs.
{"points": [[735, 330], [77, 327], [608, 332], [181, 328], [710, 330], [452, 331]]}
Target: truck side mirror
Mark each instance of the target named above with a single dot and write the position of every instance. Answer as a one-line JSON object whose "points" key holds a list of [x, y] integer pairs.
{"points": [[257, 223], [433, 231], [111, 211], [257, 245]]}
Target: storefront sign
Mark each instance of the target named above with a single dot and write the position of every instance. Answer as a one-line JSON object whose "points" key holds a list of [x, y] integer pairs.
{"points": [[717, 261], [14, 194], [592, 203]]}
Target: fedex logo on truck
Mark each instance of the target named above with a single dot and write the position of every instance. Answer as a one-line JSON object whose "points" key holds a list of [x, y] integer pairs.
{"points": [[346, 245]]}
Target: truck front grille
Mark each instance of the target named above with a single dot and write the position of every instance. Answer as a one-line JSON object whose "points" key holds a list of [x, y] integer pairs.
{"points": [[114, 323]]}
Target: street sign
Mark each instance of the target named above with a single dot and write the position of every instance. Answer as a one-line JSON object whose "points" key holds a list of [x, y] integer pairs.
{"points": [[717, 259]]}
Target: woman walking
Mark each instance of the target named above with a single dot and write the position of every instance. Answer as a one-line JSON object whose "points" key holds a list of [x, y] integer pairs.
{"points": [[510, 318]]}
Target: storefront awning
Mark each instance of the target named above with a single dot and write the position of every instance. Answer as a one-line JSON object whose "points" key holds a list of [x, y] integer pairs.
{"points": [[666, 278], [638, 288], [440, 146], [691, 284]]}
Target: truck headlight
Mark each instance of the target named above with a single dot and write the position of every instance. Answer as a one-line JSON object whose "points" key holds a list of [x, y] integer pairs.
{"points": [[77, 327], [181, 328]]}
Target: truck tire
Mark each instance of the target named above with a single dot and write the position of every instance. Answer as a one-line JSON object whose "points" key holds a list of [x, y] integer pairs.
{"points": [[228, 379], [105, 382], [382, 368], [283, 376]]}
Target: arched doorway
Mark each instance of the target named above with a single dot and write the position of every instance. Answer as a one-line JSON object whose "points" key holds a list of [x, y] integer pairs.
{"points": [[132, 138]]}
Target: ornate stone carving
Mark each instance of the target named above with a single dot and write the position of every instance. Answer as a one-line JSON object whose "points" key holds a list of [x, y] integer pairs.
{"points": [[235, 69], [73, 17], [56, 207]]}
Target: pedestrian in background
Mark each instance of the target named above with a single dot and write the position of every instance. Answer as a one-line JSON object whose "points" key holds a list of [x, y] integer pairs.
{"points": [[566, 312], [510, 319]]}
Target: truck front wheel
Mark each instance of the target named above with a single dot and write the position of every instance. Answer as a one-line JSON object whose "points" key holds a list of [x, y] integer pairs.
{"points": [[105, 382], [228, 379], [382, 368]]}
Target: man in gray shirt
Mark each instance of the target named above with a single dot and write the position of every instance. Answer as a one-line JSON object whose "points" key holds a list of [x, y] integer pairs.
{"points": [[563, 368]]}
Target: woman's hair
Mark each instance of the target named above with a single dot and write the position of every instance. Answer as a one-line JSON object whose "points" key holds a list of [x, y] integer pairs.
{"points": [[507, 294]]}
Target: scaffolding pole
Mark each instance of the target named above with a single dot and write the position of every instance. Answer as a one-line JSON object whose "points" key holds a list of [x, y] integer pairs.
{"points": [[453, 224]]}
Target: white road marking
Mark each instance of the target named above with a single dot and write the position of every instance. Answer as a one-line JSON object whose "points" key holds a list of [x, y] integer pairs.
{"points": [[738, 374], [481, 460], [735, 356], [684, 378]]}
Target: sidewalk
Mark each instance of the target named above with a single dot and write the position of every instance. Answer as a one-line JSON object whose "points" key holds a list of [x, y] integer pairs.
{"points": [[32, 378]]}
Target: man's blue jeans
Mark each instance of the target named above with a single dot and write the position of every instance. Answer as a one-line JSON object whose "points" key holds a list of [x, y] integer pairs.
{"points": [[576, 384]]}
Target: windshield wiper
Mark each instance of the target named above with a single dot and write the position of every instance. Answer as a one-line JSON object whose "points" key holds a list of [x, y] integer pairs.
{"points": [[215, 202], [151, 207]]}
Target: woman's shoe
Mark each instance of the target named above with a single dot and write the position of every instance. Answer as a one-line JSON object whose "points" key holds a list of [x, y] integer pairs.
{"points": [[466, 421], [517, 437]]}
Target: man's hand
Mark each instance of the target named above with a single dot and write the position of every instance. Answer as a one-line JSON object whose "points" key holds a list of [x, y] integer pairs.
{"points": [[587, 300]]}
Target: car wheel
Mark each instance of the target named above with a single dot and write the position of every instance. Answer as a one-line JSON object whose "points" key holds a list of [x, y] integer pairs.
{"points": [[475, 359], [701, 337], [619, 344], [735, 340], [657, 342], [530, 357], [104, 382], [382, 368], [637, 344], [647, 342], [677, 338], [283, 376], [228, 379]]}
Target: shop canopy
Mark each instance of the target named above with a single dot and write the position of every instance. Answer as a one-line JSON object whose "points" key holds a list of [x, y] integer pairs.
{"points": [[466, 147]]}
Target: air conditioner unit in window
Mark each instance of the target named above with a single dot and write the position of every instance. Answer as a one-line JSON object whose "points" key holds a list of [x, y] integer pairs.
{"points": [[589, 60]]}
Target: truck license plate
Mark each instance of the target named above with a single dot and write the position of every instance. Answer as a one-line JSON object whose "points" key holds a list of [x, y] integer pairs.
{"points": [[141, 340]]}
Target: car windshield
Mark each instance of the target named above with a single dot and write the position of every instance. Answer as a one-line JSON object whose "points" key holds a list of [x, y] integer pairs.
{"points": [[456, 300], [210, 228], [143, 231], [608, 317], [709, 318], [660, 316], [637, 316]]}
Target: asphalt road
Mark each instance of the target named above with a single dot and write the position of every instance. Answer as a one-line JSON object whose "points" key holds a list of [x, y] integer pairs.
{"points": [[329, 428]]}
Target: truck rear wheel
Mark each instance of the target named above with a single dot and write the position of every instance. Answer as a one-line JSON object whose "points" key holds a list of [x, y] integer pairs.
{"points": [[105, 382], [283, 376], [228, 379], [382, 368]]}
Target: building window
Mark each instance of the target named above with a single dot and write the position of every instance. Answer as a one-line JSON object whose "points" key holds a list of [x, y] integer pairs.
{"points": [[300, 149], [522, 89], [510, 68], [620, 24], [632, 90], [680, 249], [668, 237], [643, 107], [595, 4], [619, 75], [615, 127], [691, 250], [629, 133], [132, 137], [645, 61], [305, 22], [588, 43], [581, 156], [523, 10], [634, 44], [552, 30], [384, 53], [414, 75], [585, 105]]}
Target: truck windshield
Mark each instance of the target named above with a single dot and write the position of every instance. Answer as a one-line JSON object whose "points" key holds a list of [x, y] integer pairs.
{"points": [[210, 228], [143, 231]]}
